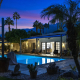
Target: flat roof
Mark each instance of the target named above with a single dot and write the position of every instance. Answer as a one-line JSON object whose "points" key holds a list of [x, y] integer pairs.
{"points": [[56, 34]]}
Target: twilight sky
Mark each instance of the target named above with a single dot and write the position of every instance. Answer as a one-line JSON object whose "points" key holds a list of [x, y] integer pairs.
{"points": [[29, 10]]}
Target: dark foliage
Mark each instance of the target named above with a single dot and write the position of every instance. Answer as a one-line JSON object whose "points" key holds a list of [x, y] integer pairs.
{"points": [[15, 35]]}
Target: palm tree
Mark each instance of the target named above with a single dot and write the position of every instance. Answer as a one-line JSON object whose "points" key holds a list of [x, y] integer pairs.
{"points": [[9, 22], [40, 26], [69, 15], [46, 26], [16, 16], [61, 26], [35, 24]]}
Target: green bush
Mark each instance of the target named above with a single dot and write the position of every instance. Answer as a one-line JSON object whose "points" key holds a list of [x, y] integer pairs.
{"points": [[73, 68]]}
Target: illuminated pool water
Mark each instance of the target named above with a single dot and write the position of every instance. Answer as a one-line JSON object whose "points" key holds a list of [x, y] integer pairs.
{"points": [[28, 59]]}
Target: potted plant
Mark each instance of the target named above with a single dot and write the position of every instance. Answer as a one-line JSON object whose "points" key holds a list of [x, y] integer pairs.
{"points": [[52, 69], [16, 71], [32, 70]]}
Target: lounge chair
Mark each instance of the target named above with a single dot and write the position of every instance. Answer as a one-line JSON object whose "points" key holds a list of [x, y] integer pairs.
{"points": [[40, 51], [33, 51], [55, 52]]}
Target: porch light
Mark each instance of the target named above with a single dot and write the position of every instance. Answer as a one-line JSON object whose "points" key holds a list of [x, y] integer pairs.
{"points": [[38, 45], [27, 44], [63, 45], [6, 44]]}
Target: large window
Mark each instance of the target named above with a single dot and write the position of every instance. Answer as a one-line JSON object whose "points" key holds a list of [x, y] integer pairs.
{"points": [[43, 46], [48, 45], [58, 46]]}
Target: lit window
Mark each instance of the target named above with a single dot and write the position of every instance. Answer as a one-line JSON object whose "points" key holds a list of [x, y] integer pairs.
{"points": [[43, 46], [48, 45], [58, 46]]}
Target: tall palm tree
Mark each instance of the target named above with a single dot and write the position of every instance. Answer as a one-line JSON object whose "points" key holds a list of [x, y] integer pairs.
{"points": [[8, 22], [61, 26], [16, 16], [70, 15], [46, 26], [35, 24], [40, 26]]}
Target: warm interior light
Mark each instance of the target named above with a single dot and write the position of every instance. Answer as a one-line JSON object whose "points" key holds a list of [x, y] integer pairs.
{"points": [[12, 46], [6, 44], [63, 45], [38, 45], [27, 44], [0, 44]]}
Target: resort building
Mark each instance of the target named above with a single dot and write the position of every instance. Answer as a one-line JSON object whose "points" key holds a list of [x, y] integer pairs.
{"points": [[9, 46], [45, 44]]}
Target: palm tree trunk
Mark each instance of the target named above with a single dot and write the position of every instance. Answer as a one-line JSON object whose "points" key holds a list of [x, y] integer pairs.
{"points": [[40, 30], [43, 30], [77, 63], [72, 35], [9, 28], [36, 29], [57, 26], [46, 30], [16, 23]]}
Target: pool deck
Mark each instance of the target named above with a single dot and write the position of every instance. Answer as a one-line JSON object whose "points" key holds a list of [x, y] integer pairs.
{"points": [[63, 65], [45, 55]]}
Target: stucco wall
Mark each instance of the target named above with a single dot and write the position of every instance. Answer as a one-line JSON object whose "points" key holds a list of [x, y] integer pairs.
{"points": [[27, 45]]}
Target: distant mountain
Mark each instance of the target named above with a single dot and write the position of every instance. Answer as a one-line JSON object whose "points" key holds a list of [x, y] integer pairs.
{"points": [[51, 29]]}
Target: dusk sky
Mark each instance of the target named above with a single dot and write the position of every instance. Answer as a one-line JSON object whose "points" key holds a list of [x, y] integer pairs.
{"points": [[29, 10]]}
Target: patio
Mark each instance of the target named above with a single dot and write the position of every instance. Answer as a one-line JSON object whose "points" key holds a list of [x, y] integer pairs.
{"points": [[42, 72], [63, 65]]}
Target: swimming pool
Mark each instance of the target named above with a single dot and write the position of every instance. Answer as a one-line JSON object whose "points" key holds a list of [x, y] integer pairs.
{"points": [[28, 59]]}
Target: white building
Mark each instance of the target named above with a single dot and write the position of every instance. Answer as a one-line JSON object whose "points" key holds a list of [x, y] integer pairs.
{"points": [[45, 43]]}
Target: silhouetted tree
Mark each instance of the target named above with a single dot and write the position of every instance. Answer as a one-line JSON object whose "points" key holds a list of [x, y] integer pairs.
{"points": [[16, 16], [35, 24], [70, 16], [8, 22]]}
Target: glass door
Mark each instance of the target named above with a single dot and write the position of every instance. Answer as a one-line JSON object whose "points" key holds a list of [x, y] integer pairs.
{"points": [[48, 47], [58, 46], [43, 48]]}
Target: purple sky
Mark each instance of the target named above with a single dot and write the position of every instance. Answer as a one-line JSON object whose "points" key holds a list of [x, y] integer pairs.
{"points": [[29, 10]]}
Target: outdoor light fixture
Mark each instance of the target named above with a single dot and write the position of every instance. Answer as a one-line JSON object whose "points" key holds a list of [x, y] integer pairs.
{"points": [[49, 38], [27, 44], [6, 44], [63, 44], [38, 45]]}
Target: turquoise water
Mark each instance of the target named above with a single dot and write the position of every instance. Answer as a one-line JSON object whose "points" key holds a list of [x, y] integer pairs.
{"points": [[28, 59]]}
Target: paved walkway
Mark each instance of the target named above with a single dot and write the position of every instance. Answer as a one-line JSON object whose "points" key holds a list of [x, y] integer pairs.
{"points": [[63, 65]]}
